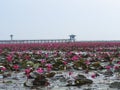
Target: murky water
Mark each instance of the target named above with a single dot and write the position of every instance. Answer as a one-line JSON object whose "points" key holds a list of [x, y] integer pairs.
{"points": [[99, 83]]}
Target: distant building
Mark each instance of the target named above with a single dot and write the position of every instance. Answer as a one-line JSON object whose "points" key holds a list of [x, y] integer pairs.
{"points": [[72, 38], [11, 36]]}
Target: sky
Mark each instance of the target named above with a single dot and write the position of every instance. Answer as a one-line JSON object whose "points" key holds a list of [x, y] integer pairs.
{"points": [[57, 19]]}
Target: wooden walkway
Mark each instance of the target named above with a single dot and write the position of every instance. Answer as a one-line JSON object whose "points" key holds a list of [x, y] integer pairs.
{"points": [[34, 41]]}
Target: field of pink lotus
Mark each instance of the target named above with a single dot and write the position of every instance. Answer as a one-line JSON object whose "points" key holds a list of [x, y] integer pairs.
{"points": [[74, 64]]}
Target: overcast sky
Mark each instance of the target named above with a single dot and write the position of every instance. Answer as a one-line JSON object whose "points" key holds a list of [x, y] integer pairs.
{"points": [[52, 19]]}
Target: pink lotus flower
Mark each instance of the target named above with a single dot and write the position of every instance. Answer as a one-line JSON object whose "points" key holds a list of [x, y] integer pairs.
{"points": [[70, 73], [49, 67], [27, 72], [64, 62], [43, 61], [46, 55], [40, 70], [87, 62], [116, 67], [3, 68], [119, 62], [55, 53], [0, 51], [93, 75], [16, 67], [9, 58], [75, 58], [70, 53], [27, 57], [108, 67]]}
